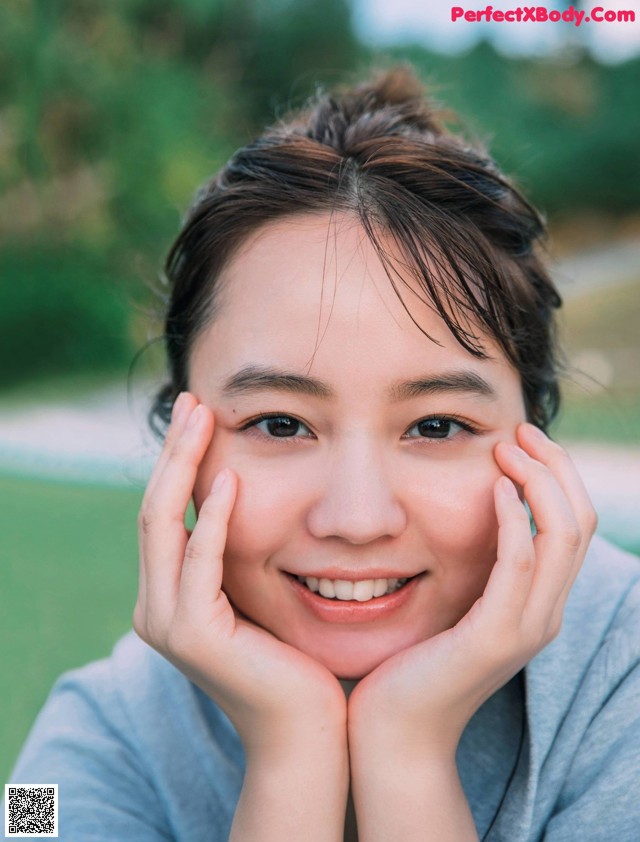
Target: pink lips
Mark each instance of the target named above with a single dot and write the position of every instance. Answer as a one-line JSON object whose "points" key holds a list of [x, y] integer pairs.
{"points": [[351, 611]]}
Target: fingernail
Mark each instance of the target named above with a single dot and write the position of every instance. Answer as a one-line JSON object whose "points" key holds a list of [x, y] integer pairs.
{"points": [[179, 411], [508, 488], [195, 418], [221, 480]]}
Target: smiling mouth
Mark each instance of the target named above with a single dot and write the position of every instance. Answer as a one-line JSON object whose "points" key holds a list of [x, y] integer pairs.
{"points": [[364, 590]]}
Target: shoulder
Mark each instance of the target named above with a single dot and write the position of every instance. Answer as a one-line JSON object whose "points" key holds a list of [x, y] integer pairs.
{"points": [[132, 743], [156, 708], [602, 611], [161, 704], [583, 705], [600, 637], [578, 773]]}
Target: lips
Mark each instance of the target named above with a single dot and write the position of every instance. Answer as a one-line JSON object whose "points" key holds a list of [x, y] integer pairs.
{"points": [[339, 610]]}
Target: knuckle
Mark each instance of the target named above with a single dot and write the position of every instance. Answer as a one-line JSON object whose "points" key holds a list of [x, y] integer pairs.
{"points": [[193, 551], [147, 519], [525, 563], [150, 518], [573, 537]]}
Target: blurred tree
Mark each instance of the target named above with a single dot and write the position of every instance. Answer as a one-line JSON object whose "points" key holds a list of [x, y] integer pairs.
{"points": [[567, 126], [111, 114]]}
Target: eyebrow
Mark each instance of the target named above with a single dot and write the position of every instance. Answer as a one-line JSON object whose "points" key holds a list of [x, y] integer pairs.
{"points": [[256, 378], [449, 381]]}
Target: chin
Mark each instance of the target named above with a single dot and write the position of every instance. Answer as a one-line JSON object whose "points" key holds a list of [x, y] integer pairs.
{"points": [[353, 661], [347, 671]]}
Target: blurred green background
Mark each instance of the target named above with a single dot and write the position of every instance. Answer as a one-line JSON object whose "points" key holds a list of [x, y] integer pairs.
{"points": [[110, 116]]}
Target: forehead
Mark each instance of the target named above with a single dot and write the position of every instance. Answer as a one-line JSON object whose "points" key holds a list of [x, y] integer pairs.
{"points": [[311, 293]]}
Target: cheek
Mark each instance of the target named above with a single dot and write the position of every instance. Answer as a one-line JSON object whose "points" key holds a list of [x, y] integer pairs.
{"points": [[267, 509], [459, 531], [272, 492], [269, 513], [458, 511], [267, 522]]}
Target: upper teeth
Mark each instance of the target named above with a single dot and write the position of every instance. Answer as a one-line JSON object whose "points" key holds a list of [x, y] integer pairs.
{"points": [[361, 591]]}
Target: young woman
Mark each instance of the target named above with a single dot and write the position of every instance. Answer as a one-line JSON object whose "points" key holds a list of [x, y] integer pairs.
{"points": [[364, 628]]}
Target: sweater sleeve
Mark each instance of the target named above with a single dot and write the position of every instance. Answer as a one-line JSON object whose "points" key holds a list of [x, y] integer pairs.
{"points": [[104, 794]]}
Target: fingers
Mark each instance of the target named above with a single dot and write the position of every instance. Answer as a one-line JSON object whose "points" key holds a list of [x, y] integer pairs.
{"points": [[540, 447], [184, 405], [162, 534], [182, 408], [201, 576], [557, 540], [510, 582], [560, 464], [563, 515]]}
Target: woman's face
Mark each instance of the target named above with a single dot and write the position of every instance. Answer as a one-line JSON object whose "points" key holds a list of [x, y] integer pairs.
{"points": [[364, 450]]}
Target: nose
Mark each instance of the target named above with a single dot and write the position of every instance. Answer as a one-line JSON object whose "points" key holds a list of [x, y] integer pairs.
{"points": [[356, 502]]}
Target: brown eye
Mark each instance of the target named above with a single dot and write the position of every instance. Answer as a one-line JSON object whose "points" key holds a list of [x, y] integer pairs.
{"points": [[437, 428], [434, 428], [280, 427]]}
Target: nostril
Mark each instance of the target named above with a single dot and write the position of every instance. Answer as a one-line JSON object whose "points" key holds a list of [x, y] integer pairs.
{"points": [[356, 523]]}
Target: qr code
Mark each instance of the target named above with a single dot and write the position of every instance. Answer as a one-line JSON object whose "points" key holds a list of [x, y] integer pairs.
{"points": [[31, 810]]}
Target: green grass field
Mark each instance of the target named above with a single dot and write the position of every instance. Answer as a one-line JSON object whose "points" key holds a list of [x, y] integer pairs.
{"points": [[69, 570]]}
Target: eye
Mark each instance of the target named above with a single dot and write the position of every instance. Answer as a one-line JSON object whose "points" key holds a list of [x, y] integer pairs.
{"points": [[279, 426], [438, 427]]}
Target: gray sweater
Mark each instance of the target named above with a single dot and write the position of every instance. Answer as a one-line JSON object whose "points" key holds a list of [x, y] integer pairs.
{"points": [[141, 755]]}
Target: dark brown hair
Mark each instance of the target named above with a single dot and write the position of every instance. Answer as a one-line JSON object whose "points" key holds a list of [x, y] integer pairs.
{"points": [[381, 151]]}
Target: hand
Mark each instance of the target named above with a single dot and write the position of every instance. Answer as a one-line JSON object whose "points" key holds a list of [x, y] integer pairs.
{"points": [[275, 695], [414, 707]]}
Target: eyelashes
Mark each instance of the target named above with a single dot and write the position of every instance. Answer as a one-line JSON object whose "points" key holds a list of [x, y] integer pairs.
{"points": [[281, 427], [277, 425], [438, 427]]}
